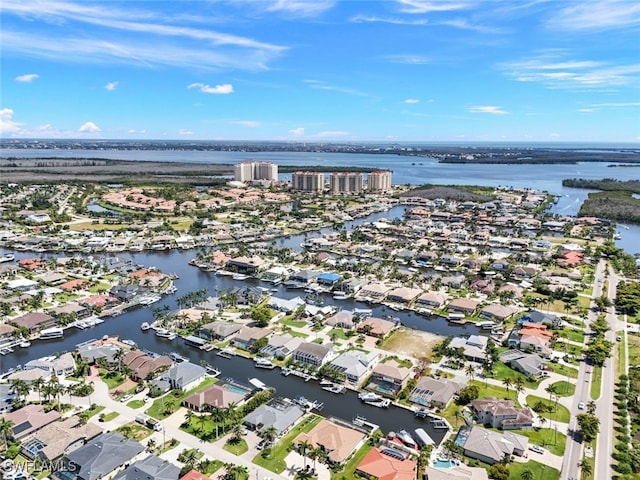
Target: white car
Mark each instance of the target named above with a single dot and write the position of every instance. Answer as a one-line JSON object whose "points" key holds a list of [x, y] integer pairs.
{"points": [[581, 406], [536, 448], [125, 398]]}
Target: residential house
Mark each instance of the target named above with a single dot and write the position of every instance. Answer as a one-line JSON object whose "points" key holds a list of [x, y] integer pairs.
{"points": [[432, 392], [491, 447], [29, 419], [337, 441], [217, 395], [126, 293], [342, 319], [91, 352], [73, 309], [150, 468], [431, 299], [246, 265], [458, 472], [473, 347], [467, 306], [379, 465], [99, 458], [6, 333], [218, 330], [301, 279], [388, 377], [498, 312], [530, 364], [144, 366], [328, 279], [248, 336], [502, 414], [285, 305], [403, 294], [376, 327], [536, 316], [65, 364], [196, 475], [313, 354], [35, 321], [280, 346], [376, 292], [277, 414], [354, 365], [57, 438], [184, 376]]}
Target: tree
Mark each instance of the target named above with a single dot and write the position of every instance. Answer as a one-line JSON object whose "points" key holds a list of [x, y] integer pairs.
{"points": [[151, 445], [526, 474], [518, 386], [6, 429], [470, 371], [589, 426], [304, 447], [467, 394], [269, 433], [586, 469], [507, 384]]}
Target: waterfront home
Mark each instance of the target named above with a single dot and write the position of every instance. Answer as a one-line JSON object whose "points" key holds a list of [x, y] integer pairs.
{"points": [[530, 364], [388, 377], [313, 354], [403, 294], [275, 274], [216, 395], [302, 278], [52, 278], [534, 337], [100, 300], [65, 364], [99, 458], [29, 419], [72, 309], [6, 333], [285, 305], [342, 319], [218, 330], [8, 271], [354, 365], [30, 376], [473, 347], [126, 293], [92, 352], [57, 438], [351, 285], [35, 321], [246, 265], [143, 365], [248, 336], [280, 346], [182, 376], [457, 472], [374, 292], [432, 392], [571, 258], [150, 468], [453, 281], [497, 312], [502, 414], [542, 318], [276, 414], [382, 466], [491, 447], [431, 299], [466, 306], [376, 327], [328, 279], [337, 441]]}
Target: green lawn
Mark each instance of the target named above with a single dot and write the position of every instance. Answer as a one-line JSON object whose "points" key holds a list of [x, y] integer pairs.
{"points": [[548, 438], [275, 461], [135, 431], [502, 372], [563, 370], [295, 333], [564, 389], [561, 415], [539, 470], [90, 412], [596, 382], [237, 448], [338, 332], [574, 335], [292, 323], [496, 391], [170, 402], [622, 348], [107, 417], [112, 379], [135, 404], [347, 473]]}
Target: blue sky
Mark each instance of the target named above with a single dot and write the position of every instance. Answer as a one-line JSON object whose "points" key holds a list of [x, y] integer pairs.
{"points": [[321, 70]]}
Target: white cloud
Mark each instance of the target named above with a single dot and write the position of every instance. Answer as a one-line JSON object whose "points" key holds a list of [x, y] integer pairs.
{"points": [[301, 8], [247, 123], [616, 105], [111, 86], [412, 101], [7, 125], [27, 77], [133, 131], [224, 89], [491, 109], [586, 110], [597, 15], [408, 59], [89, 127], [555, 71], [331, 134], [317, 84], [297, 132], [421, 6], [390, 20], [184, 131]]}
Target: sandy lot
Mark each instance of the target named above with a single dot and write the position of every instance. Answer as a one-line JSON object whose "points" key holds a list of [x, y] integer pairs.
{"points": [[414, 343]]}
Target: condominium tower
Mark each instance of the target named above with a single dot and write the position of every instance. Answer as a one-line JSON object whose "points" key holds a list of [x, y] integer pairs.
{"points": [[379, 181], [345, 182], [307, 181], [250, 171]]}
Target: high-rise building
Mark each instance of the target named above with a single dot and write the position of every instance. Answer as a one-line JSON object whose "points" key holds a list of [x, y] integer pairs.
{"points": [[307, 181], [250, 171], [379, 181], [345, 182]]}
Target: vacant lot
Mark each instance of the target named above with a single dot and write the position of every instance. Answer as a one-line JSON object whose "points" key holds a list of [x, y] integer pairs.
{"points": [[414, 343]]}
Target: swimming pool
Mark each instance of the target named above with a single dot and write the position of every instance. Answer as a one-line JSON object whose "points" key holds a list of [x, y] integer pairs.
{"points": [[236, 389], [445, 463]]}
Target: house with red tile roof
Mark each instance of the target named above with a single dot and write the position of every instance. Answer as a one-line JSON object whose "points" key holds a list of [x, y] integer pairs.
{"points": [[382, 466]]}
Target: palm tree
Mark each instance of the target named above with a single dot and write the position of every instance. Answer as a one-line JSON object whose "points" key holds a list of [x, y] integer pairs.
{"points": [[470, 371], [526, 474], [586, 469], [237, 432], [269, 433], [551, 390], [518, 386], [591, 407], [151, 445], [38, 383], [6, 429], [21, 387], [118, 358], [508, 384], [69, 390], [304, 446]]}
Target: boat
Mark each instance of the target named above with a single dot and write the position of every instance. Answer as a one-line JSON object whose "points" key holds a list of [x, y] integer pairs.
{"points": [[486, 325], [423, 438], [382, 403], [325, 383], [144, 326], [263, 363], [369, 396], [25, 344], [617, 236], [224, 353], [4, 351], [335, 388], [286, 372], [439, 423], [53, 332], [422, 412], [405, 437], [164, 333], [176, 357], [257, 383], [239, 276], [7, 258], [129, 342]]}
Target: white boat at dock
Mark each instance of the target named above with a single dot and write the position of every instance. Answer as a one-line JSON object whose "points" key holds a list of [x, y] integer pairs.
{"points": [[225, 353], [144, 326], [176, 357], [50, 333], [263, 363], [5, 350], [486, 325], [257, 383], [239, 276], [286, 372], [369, 396], [7, 258], [405, 437], [25, 344], [422, 413], [335, 388], [361, 421], [164, 333], [440, 423]]}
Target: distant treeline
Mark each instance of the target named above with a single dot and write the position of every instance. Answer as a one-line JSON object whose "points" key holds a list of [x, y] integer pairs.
{"points": [[462, 194], [613, 205], [321, 168], [605, 184]]}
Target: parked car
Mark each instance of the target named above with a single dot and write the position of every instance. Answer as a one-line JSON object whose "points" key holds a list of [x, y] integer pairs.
{"points": [[126, 398], [581, 406], [536, 448]]}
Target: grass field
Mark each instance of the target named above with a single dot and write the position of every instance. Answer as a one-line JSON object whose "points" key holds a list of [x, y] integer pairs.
{"points": [[539, 470], [548, 438], [494, 391], [622, 349], [167, 404], [237, 448], [596, 382], [563, 370], [561, 414], [564, 389]]}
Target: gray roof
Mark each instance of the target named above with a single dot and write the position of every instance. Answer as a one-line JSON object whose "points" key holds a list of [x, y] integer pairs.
{"points": [[103, 455], [184, 373], [150, 468], [276, 415], [354, 362], [222, 329]]}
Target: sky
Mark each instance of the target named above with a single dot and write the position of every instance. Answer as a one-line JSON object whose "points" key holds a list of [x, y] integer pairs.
{"points": [[322, 70]]}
